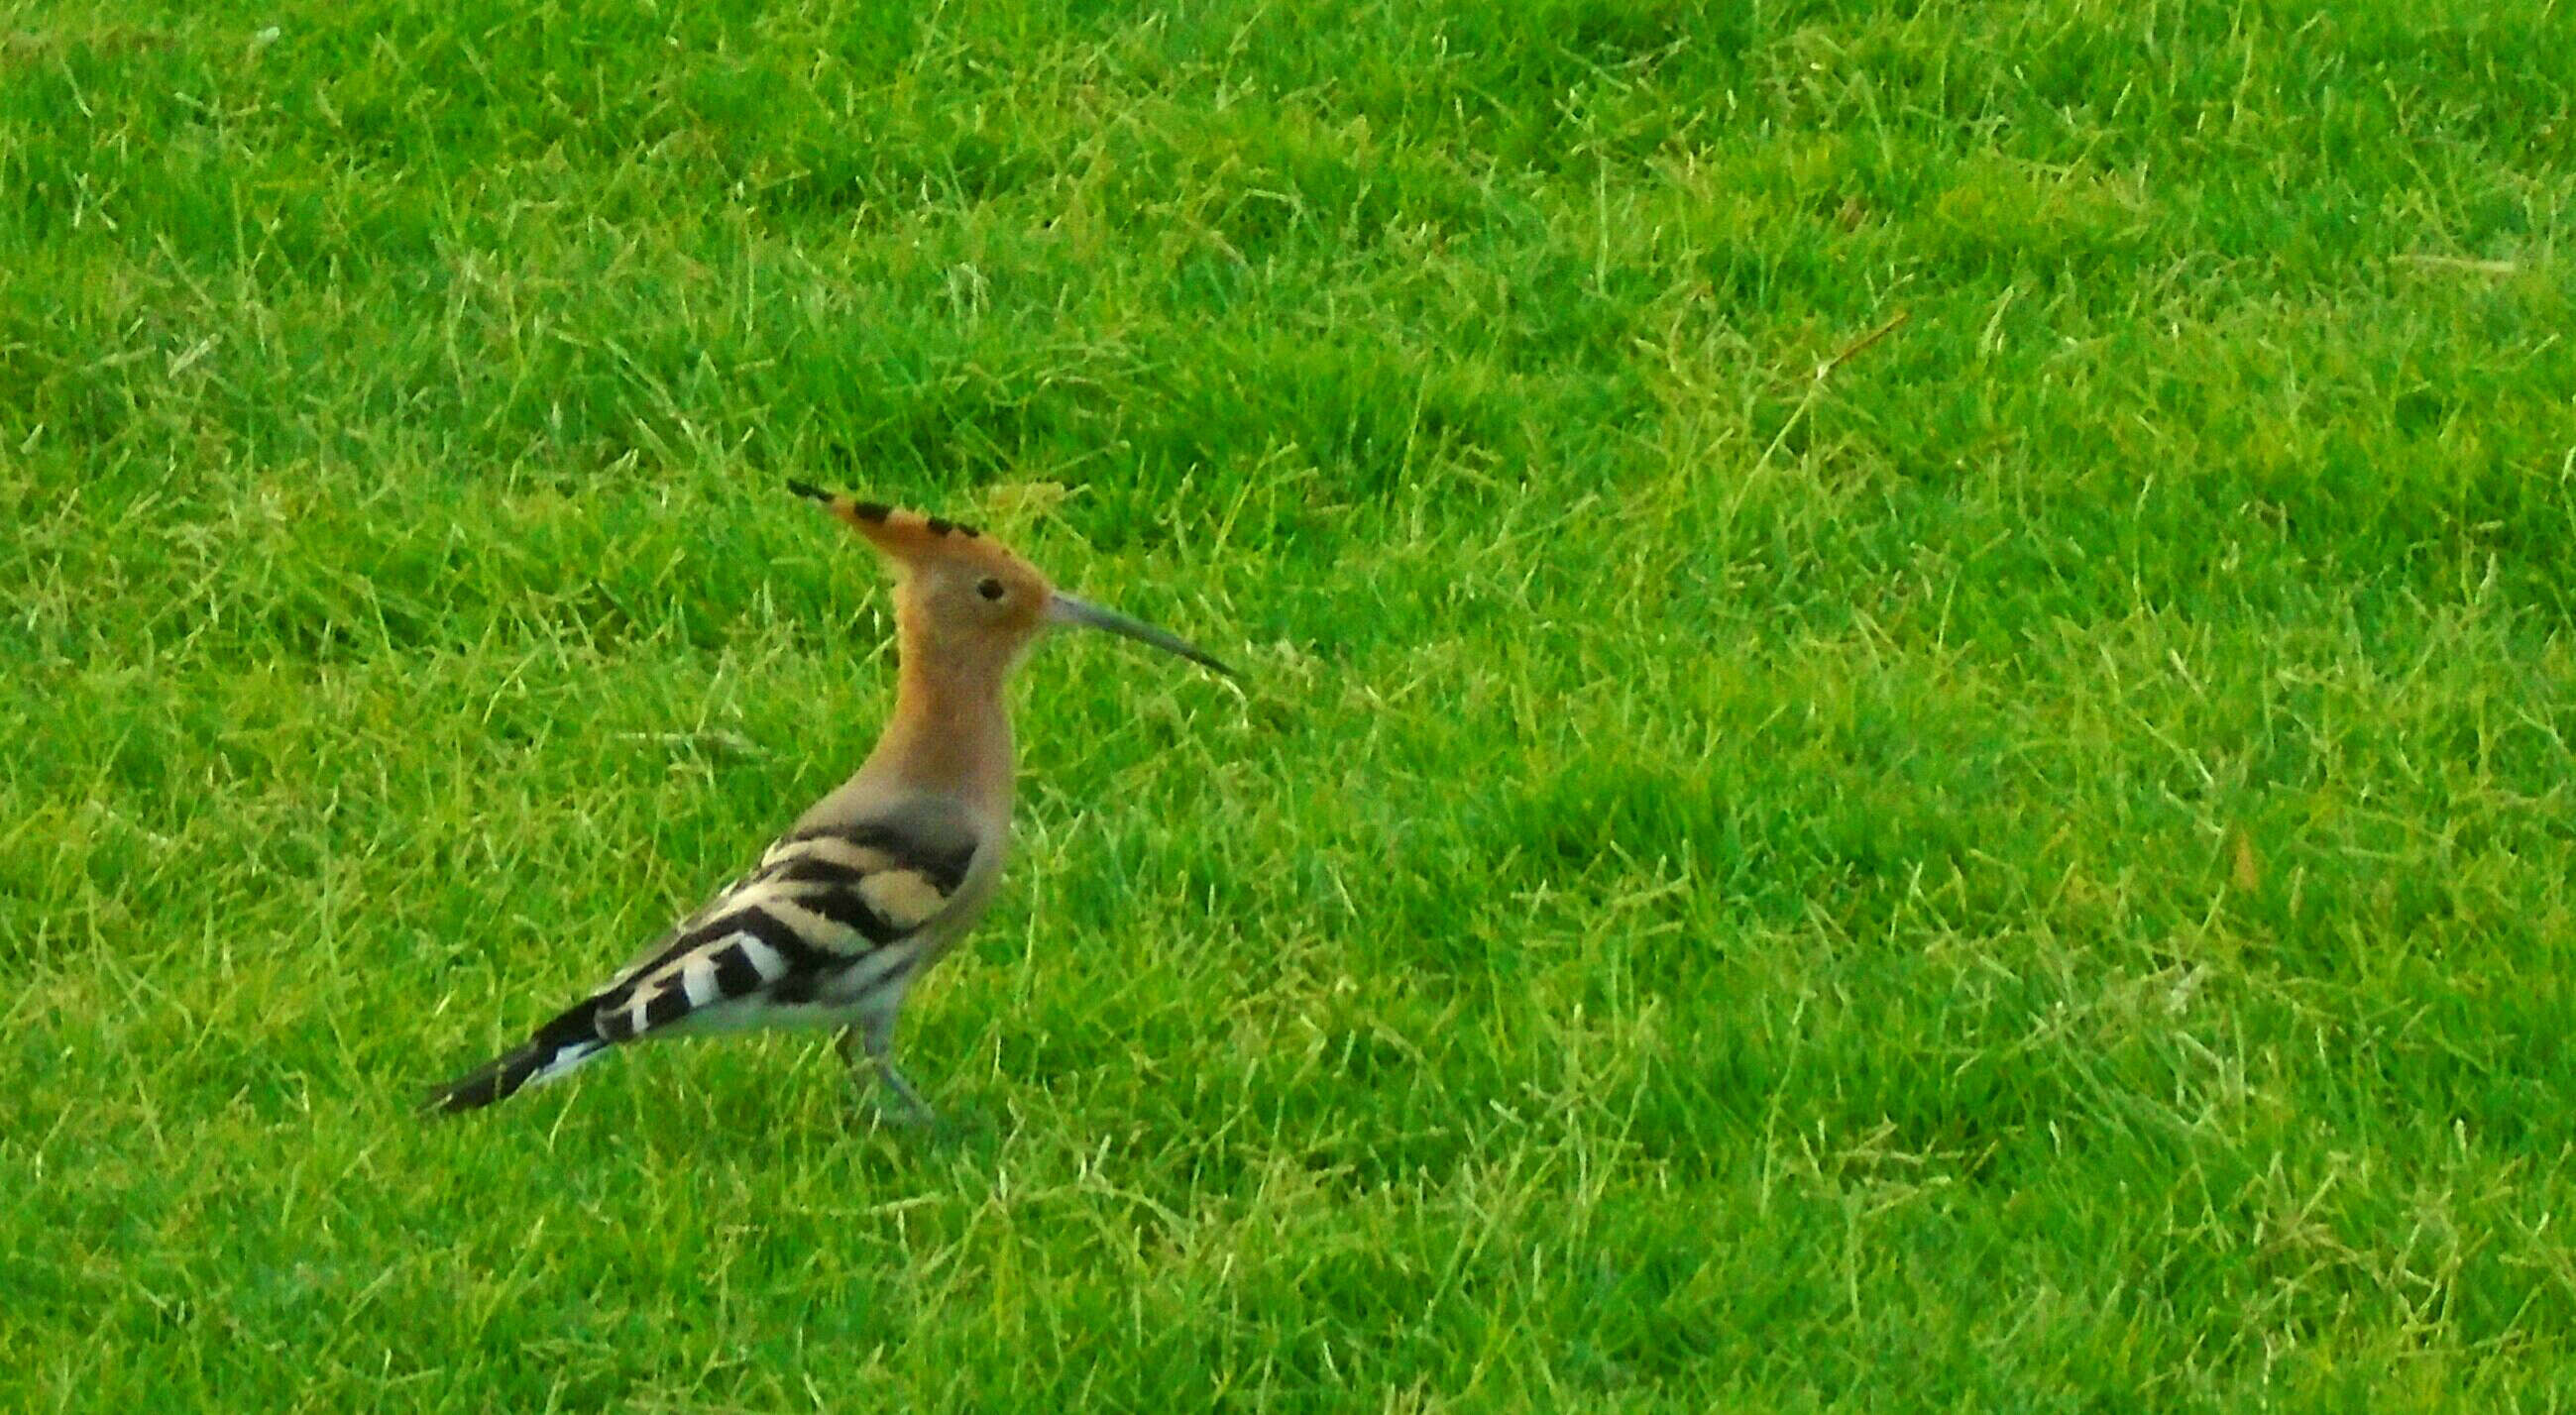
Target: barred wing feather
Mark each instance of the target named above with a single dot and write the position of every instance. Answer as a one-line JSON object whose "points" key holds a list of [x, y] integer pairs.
{"points": [[824, 921]]}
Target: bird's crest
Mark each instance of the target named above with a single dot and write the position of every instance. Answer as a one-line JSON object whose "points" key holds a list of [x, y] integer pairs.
{"points": [[908, 536]]}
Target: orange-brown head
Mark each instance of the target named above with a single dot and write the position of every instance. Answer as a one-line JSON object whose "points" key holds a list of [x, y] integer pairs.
{"points": [[964, 600]]}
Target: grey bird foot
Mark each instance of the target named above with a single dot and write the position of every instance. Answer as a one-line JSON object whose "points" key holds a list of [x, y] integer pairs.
{"points": [[873, 1108], [899, 1104], [890, 1099]]}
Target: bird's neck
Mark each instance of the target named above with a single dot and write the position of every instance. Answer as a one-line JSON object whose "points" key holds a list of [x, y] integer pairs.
{"points": [[951, 731]]}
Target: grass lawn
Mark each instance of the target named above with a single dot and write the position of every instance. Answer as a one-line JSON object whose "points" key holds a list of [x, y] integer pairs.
{"points": [[2028, 870]]}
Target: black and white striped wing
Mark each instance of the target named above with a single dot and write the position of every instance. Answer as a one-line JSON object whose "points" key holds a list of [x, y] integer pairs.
{"points": [[824, 925], [816, 924]]}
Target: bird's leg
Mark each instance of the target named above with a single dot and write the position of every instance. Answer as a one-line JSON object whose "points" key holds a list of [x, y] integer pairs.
{"points": [[872, 1040], [848, 1045]]}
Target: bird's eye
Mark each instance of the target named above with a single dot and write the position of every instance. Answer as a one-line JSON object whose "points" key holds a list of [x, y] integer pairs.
{"points": [[989, 588]]}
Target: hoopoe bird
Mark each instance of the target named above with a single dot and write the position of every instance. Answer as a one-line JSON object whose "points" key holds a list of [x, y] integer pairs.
{"points": [[881, 878]]}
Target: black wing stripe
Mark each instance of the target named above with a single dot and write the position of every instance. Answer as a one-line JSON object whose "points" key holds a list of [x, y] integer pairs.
{"points": [[736, 974], [798, 988], [668, 1006], [846, 908], [799, 952], [814, 869], [944, 867], [619, 1018], [792, 948]]}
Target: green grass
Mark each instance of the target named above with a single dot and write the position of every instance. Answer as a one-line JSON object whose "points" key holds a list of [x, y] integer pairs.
{"points": [[2032, 873]]}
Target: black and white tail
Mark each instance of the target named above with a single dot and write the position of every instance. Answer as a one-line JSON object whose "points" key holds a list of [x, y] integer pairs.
{"points": [[558, 1047]]}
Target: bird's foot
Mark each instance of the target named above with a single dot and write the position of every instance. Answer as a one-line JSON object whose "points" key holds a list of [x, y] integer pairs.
{"points": [[899, 1104], [894, 1102], [870, 1109], [892, 1105]]}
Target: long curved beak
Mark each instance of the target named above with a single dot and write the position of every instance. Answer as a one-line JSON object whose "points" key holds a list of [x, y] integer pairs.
{"points": [[1065, 609]]}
